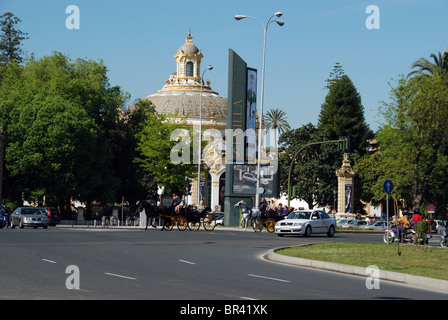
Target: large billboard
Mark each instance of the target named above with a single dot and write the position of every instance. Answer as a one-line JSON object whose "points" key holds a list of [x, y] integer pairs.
{"points": [[241, 150]]}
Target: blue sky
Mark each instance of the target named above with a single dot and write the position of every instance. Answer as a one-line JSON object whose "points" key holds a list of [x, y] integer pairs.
{"points": [[137, 40]]}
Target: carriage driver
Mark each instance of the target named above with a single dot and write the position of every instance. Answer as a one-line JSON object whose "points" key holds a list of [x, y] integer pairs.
{"points": [[175, 201]]}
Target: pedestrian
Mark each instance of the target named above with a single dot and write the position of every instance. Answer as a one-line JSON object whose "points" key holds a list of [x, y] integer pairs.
{"points": [[417, 217]]}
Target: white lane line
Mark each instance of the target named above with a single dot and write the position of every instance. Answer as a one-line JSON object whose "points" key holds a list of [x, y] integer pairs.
{"points": [[188, 262], [268, 278], [119, 276], [247, 298], [50, 261]]}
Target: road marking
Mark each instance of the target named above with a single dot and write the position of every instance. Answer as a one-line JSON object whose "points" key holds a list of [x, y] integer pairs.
{"points": [[50, 261], [268, 278], [247, 298], [119, 276], [188, 262]]}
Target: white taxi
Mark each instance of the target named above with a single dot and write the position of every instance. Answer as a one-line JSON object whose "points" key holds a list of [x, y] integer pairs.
{"points": [[306, 222]]}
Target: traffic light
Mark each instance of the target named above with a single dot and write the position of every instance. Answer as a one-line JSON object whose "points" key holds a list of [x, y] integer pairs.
{"points": [[344, 144]]}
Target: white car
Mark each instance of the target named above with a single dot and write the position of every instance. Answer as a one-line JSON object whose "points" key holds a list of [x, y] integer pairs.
{"points": [[378, 225], [306, 222]]}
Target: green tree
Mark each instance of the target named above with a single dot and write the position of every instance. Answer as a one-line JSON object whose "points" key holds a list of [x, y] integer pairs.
{"points": [[424, 66], [415, 124], [276, 119], [156, 149], [310, 169], [342, 114], [59, 118], [10, 39], [413, 141], [335, 75]]}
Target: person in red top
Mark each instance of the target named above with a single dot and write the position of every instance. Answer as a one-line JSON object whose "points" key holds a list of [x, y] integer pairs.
{"points": [[417, 216]]}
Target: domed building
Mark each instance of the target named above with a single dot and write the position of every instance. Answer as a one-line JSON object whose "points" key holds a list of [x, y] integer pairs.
{"points": [[180, 98]]}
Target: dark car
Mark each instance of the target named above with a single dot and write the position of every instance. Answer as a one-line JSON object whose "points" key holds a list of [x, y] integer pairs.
{"points": [[53, 215], [28, 217]]}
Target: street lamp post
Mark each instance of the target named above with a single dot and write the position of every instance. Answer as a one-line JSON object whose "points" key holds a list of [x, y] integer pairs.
{"points": [[200, 135], [260, 117]]}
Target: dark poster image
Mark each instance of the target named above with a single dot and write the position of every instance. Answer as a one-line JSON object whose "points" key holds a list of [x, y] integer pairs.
{"points": [[245, 179]]}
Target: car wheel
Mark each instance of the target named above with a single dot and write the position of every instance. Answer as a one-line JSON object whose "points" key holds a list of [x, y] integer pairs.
{"points": [[11, 224], [330, 232], [307, 231]]}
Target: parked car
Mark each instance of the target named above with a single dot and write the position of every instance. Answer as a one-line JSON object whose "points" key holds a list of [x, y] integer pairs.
{"points": [[354, 224], [379, 225], [28, 217], [306, 222], [343, 223], [53, 215]]}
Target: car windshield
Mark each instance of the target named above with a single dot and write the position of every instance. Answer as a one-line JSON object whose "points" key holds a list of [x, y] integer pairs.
{"points": [[31, 211], [299, 215]]}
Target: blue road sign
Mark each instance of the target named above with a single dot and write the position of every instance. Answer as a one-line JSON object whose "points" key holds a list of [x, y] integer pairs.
{"points": [[388, 186]]}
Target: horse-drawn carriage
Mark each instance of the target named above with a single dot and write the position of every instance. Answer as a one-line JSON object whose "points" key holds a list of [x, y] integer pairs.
{"points": [[184, 217], [258, 219]]}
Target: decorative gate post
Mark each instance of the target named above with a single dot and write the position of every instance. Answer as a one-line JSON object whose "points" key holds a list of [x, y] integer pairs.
{"points": [[346, 187]]}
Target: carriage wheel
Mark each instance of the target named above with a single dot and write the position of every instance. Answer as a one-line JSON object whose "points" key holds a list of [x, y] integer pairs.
{"points": [[168, 224], [194, 226], [182, 223], [209, 222], [270, 225], [258, 225]]}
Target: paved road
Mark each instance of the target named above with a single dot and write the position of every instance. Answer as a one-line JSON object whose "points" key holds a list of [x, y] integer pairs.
{"points": [[133, 264]]}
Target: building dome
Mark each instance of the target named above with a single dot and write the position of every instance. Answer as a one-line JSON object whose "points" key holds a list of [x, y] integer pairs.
{"points": [[186, 104], [188, 48], [181, 94]]}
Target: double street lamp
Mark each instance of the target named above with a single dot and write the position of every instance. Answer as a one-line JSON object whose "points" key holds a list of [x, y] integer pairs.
{"points": [[200, 135], [260, 117]]}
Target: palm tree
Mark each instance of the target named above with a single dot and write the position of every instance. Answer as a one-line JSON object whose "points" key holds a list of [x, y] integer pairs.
{"points": [[276, 119], [426, 67]]}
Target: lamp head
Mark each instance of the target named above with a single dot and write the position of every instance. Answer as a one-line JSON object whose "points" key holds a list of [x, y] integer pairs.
{"points": [[279, 14], [239, 17], [210, 68], [279, 22]]}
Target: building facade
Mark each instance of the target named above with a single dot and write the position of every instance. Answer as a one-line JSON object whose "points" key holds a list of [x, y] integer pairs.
{"points": [[180, 99]]}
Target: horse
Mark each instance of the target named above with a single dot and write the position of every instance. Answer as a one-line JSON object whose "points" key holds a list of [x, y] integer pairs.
{"points": [[150, 212], [246, 212]]}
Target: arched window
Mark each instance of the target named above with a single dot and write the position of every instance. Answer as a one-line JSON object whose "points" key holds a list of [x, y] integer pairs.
{"points": [[189, 69]]}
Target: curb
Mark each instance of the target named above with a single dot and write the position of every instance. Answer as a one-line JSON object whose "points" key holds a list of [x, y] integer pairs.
{"points": [[416, 281]]}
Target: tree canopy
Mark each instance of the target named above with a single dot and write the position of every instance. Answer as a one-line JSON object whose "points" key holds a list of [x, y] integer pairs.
{"points": [[10, 39], [61, 118]]}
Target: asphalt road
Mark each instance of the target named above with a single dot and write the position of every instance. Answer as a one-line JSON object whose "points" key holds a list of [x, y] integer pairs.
{"points": [[111, 264]]}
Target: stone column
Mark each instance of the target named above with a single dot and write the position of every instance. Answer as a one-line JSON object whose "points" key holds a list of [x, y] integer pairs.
{"points": [[346, 187]]}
